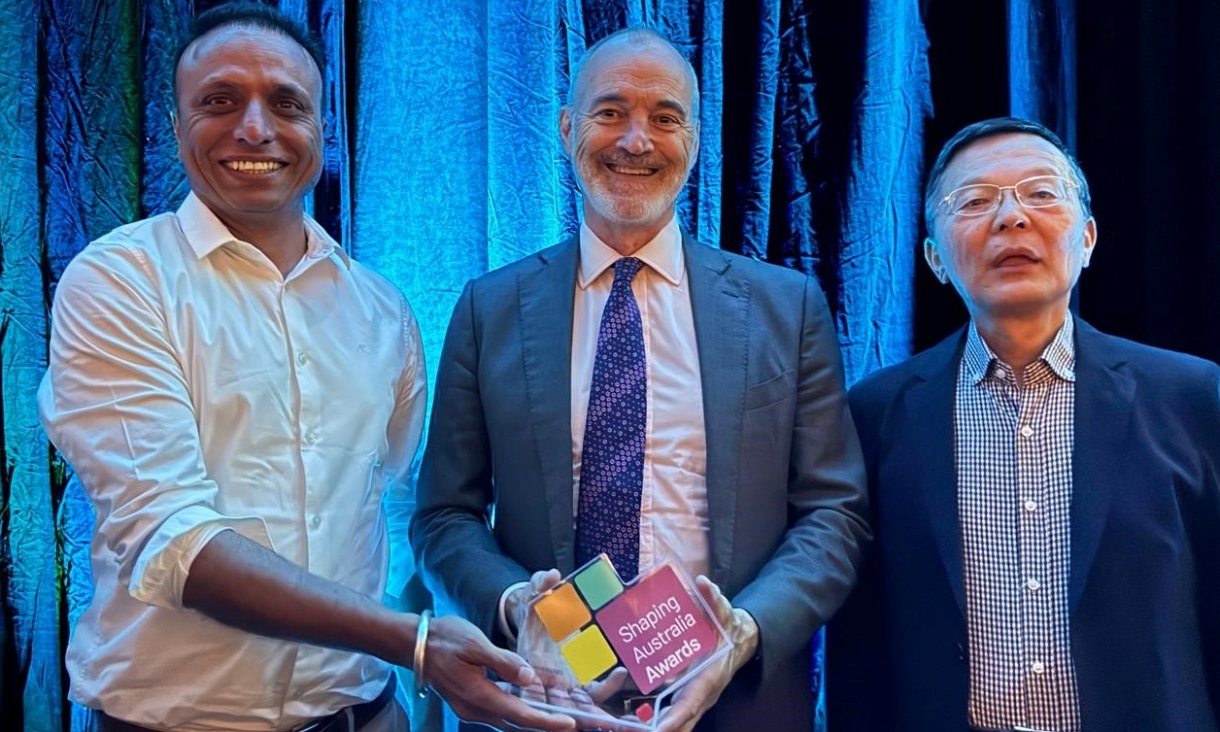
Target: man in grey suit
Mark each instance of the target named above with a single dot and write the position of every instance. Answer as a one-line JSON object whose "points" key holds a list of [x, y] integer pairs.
{"points": [[739, 444]]}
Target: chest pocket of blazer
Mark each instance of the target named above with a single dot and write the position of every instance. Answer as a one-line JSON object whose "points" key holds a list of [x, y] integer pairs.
{"points": [[769, 392]]}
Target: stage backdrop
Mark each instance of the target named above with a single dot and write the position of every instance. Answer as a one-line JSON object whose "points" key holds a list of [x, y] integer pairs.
{"points": [[443, 161]]}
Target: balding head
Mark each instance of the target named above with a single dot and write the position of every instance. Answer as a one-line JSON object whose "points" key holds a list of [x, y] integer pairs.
{"points": [[632, 132], [631, 40]]}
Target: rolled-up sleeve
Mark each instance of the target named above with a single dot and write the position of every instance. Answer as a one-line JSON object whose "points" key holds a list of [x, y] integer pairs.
{"points": [[116, 403]]}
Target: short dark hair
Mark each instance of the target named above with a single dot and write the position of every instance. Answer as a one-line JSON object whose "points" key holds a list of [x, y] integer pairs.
{"points": [[970, 134], [251, 15]]}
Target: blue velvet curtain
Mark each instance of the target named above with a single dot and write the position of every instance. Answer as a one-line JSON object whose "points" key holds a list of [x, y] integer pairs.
{"points": [[443, 161]]}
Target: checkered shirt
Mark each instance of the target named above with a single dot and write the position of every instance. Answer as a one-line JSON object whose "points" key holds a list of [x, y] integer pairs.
{"points": [[1013, 452]]}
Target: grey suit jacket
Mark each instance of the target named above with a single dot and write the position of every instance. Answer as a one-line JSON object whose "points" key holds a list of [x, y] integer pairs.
{"points": [[785, 479]]}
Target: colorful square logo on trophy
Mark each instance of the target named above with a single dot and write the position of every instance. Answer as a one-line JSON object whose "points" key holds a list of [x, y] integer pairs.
{"points": [[653, 627]]}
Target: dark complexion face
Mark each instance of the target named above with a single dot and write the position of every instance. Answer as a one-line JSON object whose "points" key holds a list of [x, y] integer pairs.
{"points": [[249, 125]]}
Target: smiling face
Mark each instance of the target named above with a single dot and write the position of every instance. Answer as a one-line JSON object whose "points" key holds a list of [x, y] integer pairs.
{"points": [[1014, 261], [630, 133], [249, 126]]}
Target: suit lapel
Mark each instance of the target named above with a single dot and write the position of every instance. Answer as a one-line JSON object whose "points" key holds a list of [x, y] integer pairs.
{"points": [[720, 304], [1104, 399], [929, 449], [546, 294]]}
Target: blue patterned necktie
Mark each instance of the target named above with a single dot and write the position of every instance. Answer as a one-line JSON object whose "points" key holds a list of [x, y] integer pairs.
{"points": [[612, 460]]}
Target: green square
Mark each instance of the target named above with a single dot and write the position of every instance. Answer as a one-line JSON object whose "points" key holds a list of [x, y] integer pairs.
{"points": [[599, 583]]}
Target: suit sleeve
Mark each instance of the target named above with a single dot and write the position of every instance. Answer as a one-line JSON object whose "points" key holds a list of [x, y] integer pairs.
{"points": [[857, 644], [1204, 532], [814, 567], [450, 533]]}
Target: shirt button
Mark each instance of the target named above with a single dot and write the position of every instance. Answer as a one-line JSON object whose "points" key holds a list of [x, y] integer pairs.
{"points": [[1033, 585], [1027, 431], [311, 437], [316, 521], [1038, 667], [302, 358], [1031, 505]]}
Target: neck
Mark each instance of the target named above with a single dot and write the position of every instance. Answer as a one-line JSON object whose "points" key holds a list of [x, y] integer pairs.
{"points": [[625, 238], [1018, 340], [281, 238]]}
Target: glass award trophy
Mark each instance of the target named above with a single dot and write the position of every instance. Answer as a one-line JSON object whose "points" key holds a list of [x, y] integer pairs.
{"points": [[611, 654]]}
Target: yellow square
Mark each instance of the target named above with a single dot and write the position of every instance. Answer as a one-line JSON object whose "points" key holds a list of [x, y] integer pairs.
{"points": [[562, 612], [589, 655]]}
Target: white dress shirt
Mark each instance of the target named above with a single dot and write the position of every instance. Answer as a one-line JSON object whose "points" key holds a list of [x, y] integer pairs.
{"points": [[673, 506], [197, 390]]}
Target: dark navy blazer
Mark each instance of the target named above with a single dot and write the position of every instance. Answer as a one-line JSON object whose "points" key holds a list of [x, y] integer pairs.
{"points": [[1144, 593]]}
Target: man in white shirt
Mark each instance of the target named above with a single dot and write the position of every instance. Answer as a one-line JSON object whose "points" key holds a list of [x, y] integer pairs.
{"points": [[238, 397], [713, 382]]}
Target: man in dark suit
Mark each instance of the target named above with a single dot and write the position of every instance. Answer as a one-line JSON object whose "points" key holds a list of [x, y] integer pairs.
{"points": [[1046, 498], [710, 384]]}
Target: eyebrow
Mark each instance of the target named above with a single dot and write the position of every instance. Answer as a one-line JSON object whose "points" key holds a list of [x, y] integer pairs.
{"points": [[1038, 172], [279, 90], [612, 98]]}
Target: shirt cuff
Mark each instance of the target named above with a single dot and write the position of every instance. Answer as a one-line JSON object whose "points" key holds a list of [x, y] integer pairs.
{"points": [[160, 571], [509, 632]]}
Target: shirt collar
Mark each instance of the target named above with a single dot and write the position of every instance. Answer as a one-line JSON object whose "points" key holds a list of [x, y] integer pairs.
{"points": [[663, 254], [1060, 354], [205, 233]]}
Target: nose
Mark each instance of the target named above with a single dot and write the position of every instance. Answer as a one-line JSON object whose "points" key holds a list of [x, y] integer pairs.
{"points": [[1010, 214], [256, 124], [636, 139]]}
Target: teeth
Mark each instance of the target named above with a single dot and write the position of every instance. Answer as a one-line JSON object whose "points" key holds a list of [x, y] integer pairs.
{"points": [[250, 166], [630, 171]]}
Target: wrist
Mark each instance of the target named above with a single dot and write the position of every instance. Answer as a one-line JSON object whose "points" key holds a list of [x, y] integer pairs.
{"points": [[745, 637], [516, 600]]}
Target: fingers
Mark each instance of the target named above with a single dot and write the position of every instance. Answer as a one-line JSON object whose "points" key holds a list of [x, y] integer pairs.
{"points": [[614, 682], [531, 718], [488, 704], [540, 582], [715, 599], [679, 717], [504, 663], [460, 679], [518, 600]]}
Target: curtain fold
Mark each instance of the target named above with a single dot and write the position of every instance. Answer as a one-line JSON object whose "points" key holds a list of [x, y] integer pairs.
{"points": [[1042, 64], [31, 675], [881, 203]]}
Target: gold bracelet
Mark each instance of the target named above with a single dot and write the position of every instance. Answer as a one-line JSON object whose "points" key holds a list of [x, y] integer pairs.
{"points": [[421, 647]]}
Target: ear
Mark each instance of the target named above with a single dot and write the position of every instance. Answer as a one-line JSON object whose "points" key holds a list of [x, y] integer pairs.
{"points": [[565, 130], [1090, 241], [932, 257]]}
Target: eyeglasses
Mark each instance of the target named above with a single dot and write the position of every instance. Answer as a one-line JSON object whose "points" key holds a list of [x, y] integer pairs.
{"points": [[1040, 191]]}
